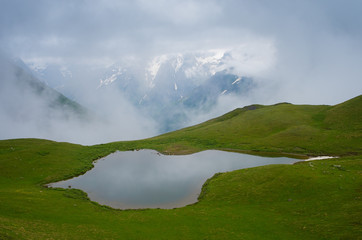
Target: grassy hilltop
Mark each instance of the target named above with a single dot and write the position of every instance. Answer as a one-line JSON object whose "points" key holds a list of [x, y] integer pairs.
{"points": [[288, 128], [307, 200]]}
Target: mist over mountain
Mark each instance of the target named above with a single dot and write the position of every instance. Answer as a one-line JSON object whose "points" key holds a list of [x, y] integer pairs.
{"points": [[147, 67], [30, 108], [171, 89]]}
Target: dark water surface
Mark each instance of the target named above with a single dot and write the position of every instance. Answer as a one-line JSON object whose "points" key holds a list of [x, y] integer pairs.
{"points": [[148, 179]]}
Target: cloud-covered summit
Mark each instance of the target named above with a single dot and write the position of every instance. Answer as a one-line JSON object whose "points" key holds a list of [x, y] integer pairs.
{"points": [[295, 51], [317, 43]]}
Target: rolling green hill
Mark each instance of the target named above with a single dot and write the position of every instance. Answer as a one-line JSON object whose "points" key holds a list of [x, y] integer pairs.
{"points": [[288, 128], [307, 200]]}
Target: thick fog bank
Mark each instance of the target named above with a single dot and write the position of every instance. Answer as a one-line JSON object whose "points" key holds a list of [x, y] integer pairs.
{"points": [[30, 109]]}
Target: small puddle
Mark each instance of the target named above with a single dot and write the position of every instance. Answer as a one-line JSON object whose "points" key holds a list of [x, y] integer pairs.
{"points": [[148, 179]]}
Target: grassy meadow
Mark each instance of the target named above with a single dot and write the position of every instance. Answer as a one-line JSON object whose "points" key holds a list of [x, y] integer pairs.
{"points": [[308, 200]]}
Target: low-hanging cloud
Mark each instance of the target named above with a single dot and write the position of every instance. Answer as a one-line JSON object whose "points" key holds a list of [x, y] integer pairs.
{"points": [[295, 51], [28, 108]]}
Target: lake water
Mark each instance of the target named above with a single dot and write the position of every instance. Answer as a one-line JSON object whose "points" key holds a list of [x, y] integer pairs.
{"points": [[148, 179]]}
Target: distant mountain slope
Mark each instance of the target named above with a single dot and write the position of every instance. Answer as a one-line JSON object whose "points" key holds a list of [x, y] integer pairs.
{"points": [[29, 108], [304, 129], [56, 100], [19, 84]]}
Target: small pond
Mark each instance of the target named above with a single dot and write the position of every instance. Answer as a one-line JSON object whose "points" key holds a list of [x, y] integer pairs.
{"points": [[148, 179]]}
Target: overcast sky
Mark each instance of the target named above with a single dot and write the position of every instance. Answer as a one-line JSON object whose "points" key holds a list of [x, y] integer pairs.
{"points": [[315, 46]]}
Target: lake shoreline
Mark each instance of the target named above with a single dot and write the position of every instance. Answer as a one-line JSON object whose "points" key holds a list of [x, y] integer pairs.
{"points": [[141, 174]]}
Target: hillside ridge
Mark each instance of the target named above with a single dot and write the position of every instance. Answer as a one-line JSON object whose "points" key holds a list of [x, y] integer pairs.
{"points": [[282, 127]]}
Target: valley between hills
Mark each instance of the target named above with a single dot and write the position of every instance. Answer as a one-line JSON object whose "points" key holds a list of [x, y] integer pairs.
{"points": [[307, 200]]}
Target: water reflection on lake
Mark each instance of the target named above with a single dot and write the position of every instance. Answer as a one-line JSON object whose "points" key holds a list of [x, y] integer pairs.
{"points": [[148, 179]]}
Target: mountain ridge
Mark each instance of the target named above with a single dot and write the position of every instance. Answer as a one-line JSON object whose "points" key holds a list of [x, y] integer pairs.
{"points": [[22, 78]]}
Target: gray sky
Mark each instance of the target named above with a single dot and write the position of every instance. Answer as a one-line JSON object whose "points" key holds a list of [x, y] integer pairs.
{"points": [[316, 45]]}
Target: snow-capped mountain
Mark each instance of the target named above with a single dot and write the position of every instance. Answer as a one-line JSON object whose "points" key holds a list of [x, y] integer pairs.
{"points": [[175, 84], [166, 87]]}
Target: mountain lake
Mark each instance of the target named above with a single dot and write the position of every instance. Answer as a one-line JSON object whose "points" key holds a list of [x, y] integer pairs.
{"points": [[148, 179]]}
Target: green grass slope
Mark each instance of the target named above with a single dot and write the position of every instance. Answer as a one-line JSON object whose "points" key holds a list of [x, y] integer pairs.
{"points": [[288, 128], [308, 200]]}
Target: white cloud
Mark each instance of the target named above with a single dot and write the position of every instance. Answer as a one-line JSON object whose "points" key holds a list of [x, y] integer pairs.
{"points": [[181, 13], [297, 51]]}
